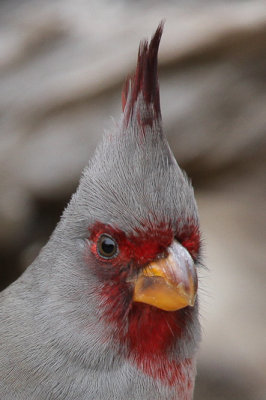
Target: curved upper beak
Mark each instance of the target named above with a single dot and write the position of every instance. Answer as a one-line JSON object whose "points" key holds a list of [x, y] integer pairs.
{"points": [[168, 283]]}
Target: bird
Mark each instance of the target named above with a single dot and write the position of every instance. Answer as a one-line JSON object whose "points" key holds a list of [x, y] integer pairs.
{"points": [[109, 308]]}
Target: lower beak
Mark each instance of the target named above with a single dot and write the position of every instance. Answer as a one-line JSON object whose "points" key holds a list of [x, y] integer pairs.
{"points": [[168, 283]]}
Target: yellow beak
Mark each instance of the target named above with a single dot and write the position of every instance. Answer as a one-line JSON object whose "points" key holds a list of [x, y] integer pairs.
{"points": [[168, 283]]}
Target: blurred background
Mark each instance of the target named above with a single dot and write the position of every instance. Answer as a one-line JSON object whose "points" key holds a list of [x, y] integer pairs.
{"points": [[62, 66]]}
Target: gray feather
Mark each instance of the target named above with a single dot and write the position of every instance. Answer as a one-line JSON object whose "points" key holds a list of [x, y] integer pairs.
{"points": [[52, 337]]}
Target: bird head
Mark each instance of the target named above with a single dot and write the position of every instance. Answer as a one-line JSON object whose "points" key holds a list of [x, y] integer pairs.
{"points": [[136, 220]]}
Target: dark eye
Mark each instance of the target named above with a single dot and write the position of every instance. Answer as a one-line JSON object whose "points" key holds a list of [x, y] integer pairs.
{"points": [[107, 246]]}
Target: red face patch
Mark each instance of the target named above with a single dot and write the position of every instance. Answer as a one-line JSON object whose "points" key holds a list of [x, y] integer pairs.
{"points": [[146, 331], [140, 248], [144, 246]]}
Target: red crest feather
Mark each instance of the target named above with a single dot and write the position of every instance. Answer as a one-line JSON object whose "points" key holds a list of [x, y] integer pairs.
{"points": [[145, 80]]}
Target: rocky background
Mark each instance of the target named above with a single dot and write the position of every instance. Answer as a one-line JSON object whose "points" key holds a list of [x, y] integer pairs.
{"points": [[62, 65]]}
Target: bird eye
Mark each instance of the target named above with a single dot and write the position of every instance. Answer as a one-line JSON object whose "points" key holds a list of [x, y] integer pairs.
{"points": [[107, 246]]}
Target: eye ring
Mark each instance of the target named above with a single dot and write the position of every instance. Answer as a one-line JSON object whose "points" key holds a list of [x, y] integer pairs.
{"points": [[107, 247]]}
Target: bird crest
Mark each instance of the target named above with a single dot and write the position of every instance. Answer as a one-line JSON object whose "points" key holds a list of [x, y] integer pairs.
{"points": [[140, 95]]}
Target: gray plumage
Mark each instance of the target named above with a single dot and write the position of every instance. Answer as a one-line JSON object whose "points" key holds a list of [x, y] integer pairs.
{"points": [[54, 341]]}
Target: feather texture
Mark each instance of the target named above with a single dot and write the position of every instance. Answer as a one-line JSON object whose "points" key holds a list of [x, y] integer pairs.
{"points": [[69, 328]]}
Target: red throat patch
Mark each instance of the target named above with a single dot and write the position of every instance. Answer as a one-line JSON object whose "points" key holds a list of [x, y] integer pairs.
{"points": [[151, 335]]}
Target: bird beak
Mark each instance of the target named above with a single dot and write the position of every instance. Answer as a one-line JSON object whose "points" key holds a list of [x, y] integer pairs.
{"points": [[168, 283]]}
